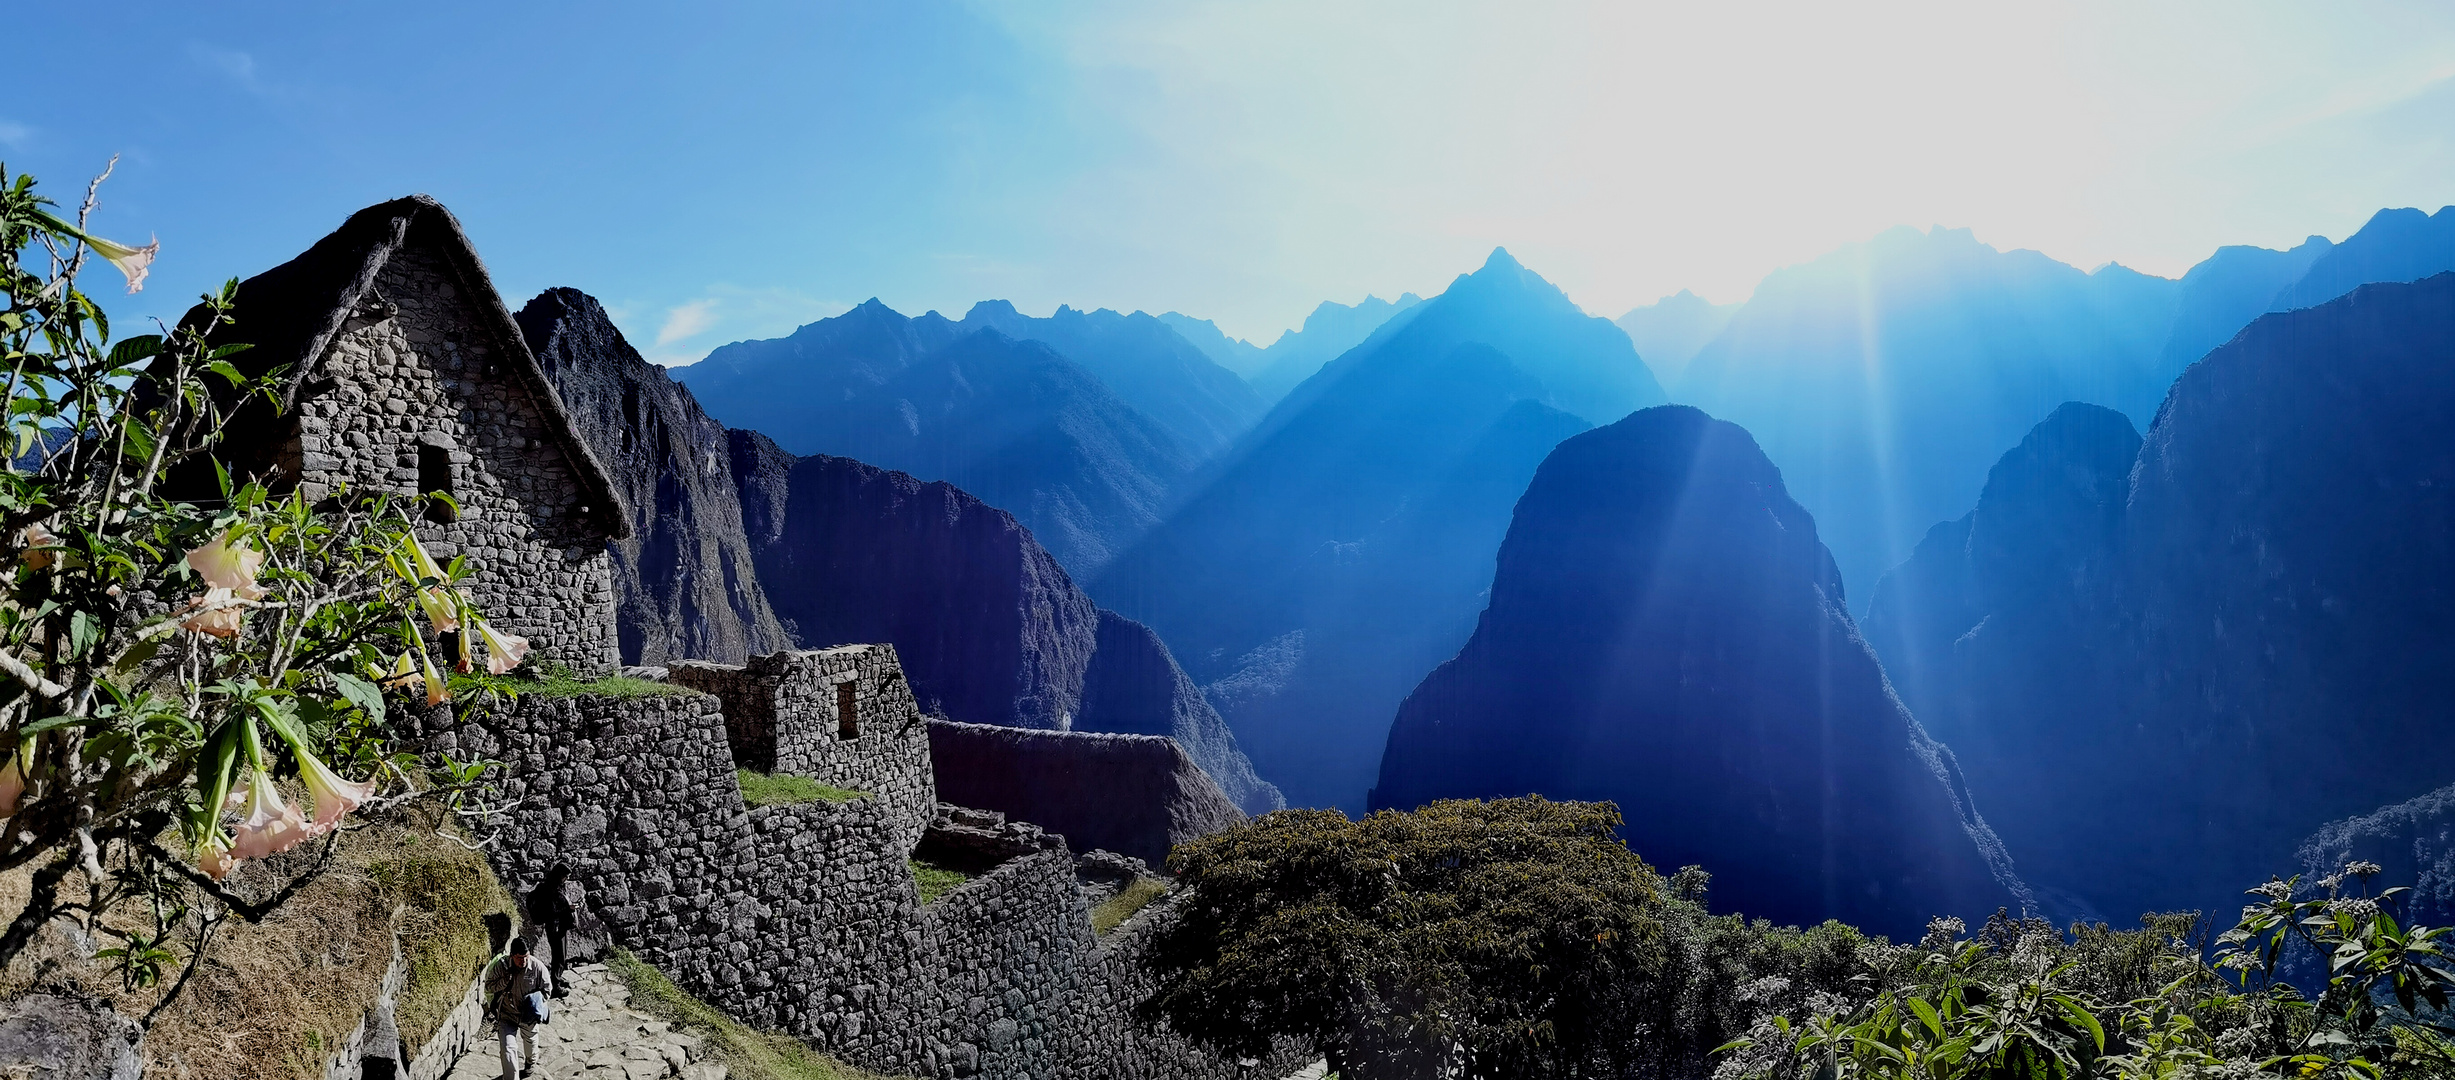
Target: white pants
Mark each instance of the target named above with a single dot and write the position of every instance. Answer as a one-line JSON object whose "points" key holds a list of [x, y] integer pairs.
{"points": [[525, 1035]]}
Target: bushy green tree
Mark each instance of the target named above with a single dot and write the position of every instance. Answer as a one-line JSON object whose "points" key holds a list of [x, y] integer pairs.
{"points": [[1481, 939]]}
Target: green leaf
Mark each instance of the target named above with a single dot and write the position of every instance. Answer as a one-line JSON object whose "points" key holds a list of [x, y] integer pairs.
{"points": [[83, 631], [2082, 1018], [226, 370], [220, 351], [136, 350], [50, 723], [1926, 1015], [360, 692]]}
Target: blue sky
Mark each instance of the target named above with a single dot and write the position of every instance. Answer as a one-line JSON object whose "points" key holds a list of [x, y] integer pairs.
{"points": [[722, 171]]}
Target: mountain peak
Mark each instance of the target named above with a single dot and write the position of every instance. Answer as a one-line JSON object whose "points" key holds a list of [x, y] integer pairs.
{"points": [[992, 309], [1501, 260]]}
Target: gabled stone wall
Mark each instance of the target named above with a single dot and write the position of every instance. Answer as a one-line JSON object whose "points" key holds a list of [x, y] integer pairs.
{"points": [[416, 379]]}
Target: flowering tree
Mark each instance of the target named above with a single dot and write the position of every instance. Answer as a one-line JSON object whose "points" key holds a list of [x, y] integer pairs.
{"points": [[166, 664]]}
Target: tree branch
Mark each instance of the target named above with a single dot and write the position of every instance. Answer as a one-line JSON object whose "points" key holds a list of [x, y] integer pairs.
{"points": [[251, 912]]}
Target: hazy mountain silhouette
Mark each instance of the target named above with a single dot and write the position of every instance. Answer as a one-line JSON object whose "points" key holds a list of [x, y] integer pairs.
{"points": [[2162, 672], [1341, 549], [1331, 329], [1011, 421], [1666, 632], [1203, 405], [1669, 331], [2226, 291], [1884, 377], [2395, 245]]}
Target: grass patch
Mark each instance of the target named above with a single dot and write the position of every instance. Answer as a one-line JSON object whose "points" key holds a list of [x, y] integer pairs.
{"points": [[936, 881], [760, 789], [1136, 895], [747, 1054], [448, 891]]}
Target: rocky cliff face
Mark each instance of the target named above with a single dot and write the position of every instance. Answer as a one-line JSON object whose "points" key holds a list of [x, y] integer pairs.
{"points": [[2256, 641], [1665, 631], [685, 586], [2413, 843], [990, 628]]}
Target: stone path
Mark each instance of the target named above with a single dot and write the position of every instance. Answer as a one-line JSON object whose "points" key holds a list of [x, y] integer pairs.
{"points": [[596, 1036], [1315, 1071]]}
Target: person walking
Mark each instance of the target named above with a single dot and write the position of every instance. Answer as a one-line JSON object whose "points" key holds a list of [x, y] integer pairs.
{"points": [[550, 910], [511, 980]]}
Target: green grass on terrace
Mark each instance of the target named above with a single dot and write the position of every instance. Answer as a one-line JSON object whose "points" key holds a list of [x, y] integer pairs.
{"points": [[747, 1054], [760, 789], [936, 881], [1135, 896]]}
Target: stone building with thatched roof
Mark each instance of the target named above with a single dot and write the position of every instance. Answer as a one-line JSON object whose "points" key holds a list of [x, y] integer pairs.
{"points": [[401, 370]]}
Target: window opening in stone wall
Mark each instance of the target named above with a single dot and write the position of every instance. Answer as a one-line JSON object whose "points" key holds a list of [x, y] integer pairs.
{"points": [[847, 712], [435, 478]]}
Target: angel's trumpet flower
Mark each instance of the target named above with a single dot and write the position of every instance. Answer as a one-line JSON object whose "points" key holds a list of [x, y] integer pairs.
{"points": [[12, 784], [213, 856], [271, 826], [437, 690], [227, 563], [503, 651], [133, 262], [221, 622], [334, 797]]}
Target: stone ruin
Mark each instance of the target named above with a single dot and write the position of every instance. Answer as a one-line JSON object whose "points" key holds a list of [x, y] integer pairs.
{"points": [[407, 375]]}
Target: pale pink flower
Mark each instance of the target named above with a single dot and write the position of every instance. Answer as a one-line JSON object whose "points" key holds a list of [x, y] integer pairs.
{"points": [[227, 564], [213, 856], [12, 785], [403, 673], [438, 691], [134, 262], [503, 651], [221, 622], [38, 539], [271, 827], [333, 796], [440, 609]]}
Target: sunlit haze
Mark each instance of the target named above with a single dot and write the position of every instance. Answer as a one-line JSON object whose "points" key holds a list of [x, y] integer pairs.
{"points": [[739, 171]]}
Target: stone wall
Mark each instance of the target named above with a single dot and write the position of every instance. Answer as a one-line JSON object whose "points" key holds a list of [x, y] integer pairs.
{"points": [[415, 382], [785, 713], [805, 918], [1137, 795]]}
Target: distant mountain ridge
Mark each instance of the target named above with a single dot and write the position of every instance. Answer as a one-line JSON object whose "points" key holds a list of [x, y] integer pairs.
{"points": [[1332, 328], [1012, 421], [1311, 575], [1669, 332], [1146, 363]]}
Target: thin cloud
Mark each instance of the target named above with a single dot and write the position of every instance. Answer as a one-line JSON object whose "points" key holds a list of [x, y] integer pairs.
{"points": [[15, 136], [687, 321]]}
